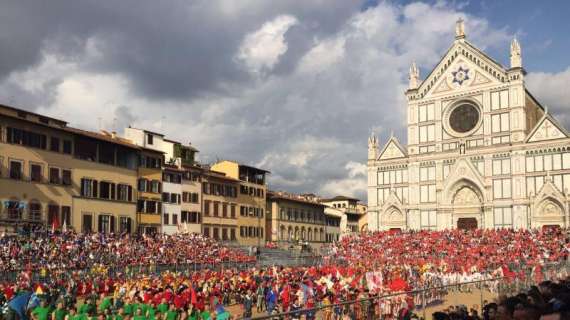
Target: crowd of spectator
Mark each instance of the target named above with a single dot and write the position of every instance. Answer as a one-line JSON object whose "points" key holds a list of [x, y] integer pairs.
{"points": [[362, 267], [70, 250]]}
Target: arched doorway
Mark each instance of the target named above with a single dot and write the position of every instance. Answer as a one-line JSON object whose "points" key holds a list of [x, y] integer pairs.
{"points": [[467, 207]]}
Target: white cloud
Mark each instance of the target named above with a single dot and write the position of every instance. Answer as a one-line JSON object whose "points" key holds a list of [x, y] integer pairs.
{"points": [[261, 49], [353, 185], [552, 90]]}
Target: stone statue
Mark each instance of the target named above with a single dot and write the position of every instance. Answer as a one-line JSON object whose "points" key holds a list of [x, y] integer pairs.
{"points": [[516, 57], [459, 29]]}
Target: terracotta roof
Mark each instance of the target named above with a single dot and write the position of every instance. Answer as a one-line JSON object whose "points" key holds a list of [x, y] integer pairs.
{"points": [[219, 175], [292, 197], [340, 198], [103, 137]]}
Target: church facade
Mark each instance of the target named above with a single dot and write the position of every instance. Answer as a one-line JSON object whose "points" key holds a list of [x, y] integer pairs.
{"points": [[482, 152]]}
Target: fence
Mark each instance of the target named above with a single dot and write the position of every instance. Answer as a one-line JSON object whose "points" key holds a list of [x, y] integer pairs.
{"points": [[48, 275], [473, 295]]}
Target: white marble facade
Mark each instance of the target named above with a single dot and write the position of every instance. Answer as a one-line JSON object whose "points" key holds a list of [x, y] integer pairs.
{"points": [[481, 152]]}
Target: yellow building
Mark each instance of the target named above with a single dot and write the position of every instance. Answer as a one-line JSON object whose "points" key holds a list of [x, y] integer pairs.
{"points": [[251, 201], [59, 176], [219, 206], [149, 187], [296, 219]]}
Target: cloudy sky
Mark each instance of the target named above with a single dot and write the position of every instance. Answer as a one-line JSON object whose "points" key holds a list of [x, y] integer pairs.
{"points": [[294, 87]]}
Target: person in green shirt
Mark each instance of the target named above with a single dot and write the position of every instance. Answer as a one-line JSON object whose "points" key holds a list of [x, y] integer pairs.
{"points": [[87, 307], [120, 314], [172, 314], [163, 306], [139, 315], [41, 312], [59, 313], [105, 303], [205, 315]]}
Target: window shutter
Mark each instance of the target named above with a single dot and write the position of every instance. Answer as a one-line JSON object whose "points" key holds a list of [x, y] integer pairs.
{"points": [[130, 193], [112, 227], [95, 185], [113, 189], [148, 185], [83, 186], [100, 223], [158, 207]]}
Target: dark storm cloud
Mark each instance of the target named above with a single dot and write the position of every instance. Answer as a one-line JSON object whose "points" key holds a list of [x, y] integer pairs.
{"points": [[176, 49]]}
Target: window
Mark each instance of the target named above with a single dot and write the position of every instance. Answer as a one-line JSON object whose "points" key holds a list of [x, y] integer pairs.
{"points": [[206, 207], [155, 186], [106, 223], [224, 234], [67, 146], [232, 234], [216, 205], [87, 225], [427, 193], [123, 192], [53, 215], [125, 224], [426, 112], [534, 184], [194, 197], [54, 176], [502, 188], [500, 122], [503, 217], [224, 210], [216, 233], [66, 177], [35, 210], [427, 173], [152, 206], [428, 220], [149, 138], [54, 144], [233, 211], [26, 138], [105, 190], [207, 231], [427, 133], [165, 219], [501, 166], [15, 169], [499, 100], [35, 172], [142, 185], [66, 215], [88, 187], [174, 219]]}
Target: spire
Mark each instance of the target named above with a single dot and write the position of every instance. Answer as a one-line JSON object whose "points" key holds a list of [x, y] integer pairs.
{"points": [[516, 57], [414, 76], [373, 148], [459, 29]]}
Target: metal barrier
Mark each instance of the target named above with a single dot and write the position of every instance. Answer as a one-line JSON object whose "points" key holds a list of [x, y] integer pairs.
{"points": [[48, 275], [473, 295]]}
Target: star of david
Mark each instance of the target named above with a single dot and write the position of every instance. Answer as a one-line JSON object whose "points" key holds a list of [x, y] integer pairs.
{"points": [[460, 75]]}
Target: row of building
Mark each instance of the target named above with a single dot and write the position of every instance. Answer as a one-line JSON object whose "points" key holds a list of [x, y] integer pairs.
{"points": [[63, 177]]}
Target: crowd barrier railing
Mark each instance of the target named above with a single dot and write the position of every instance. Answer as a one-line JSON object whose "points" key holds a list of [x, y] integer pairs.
{"points": [[473, 295]]}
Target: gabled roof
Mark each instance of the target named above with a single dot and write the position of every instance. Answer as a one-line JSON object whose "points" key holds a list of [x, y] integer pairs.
{"points": [[467, 51], [542, 132], [392, 150]]}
